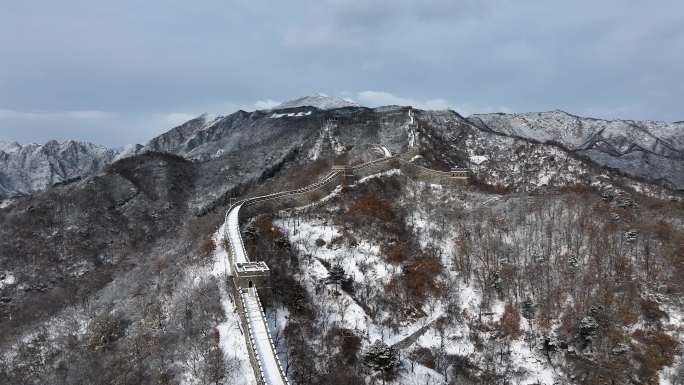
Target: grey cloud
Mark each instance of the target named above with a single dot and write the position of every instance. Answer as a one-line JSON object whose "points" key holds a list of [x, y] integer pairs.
{"points": [[139, 61]]}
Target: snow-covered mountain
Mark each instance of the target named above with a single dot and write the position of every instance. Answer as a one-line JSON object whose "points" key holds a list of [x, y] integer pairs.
{"points": [[25, 169], [648, 149], [210, 137], [324, 102], [543, 269]]}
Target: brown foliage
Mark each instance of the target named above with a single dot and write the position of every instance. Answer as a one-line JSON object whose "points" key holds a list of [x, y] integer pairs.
{"points": [[510, 321], [265, 227], [664, 231], [423, 356], [419, 277], [349, 344], [104, 330], [396, 253], [651, 311], [578, 188], [656, 350], [483, 186], [372, 205], [207, 247]]}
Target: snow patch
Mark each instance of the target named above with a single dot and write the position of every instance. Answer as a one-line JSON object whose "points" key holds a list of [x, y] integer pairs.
{"points": [[276, 115], [7, 279], [231, 339], [478, 159]]}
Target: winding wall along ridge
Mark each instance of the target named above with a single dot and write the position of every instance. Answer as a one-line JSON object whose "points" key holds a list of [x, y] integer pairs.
{"points": [[262, 353]]}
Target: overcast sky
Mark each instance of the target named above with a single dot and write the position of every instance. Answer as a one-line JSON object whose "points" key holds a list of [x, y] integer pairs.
{"points": [[123, 71]]}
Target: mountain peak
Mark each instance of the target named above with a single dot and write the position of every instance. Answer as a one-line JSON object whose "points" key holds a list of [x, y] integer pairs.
{"points": [[322, 101], [9, 146]]}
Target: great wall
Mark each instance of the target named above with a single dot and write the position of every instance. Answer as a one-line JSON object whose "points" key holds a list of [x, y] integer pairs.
{"points": [[251, 280]]}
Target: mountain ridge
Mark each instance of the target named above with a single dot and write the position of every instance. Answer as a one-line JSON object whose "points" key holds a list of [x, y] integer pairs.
{"points": [[649, 149], [118, 248], [25, 169], [653, 150]]}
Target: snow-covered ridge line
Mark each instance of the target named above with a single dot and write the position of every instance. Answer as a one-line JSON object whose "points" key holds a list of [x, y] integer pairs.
{"points": [[30, 168], [650, 150], [268, 367]]}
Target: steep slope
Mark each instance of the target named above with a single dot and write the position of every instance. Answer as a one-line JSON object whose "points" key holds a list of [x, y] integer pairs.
{"points": [[653, 151], [110, 279], [206, 137], [25, 169], [646, 149], [475, 287]]}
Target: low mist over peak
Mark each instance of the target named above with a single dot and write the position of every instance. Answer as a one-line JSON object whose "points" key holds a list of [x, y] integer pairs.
{"points": [[322, 101]]}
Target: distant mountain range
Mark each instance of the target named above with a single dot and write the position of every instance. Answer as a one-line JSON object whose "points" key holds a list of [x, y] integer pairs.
{"points": [[651, 150], [648, 149], [25, 169]]}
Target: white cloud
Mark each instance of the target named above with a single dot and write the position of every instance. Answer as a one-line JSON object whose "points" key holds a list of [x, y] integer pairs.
{"points": [[176, 118], [318, 35], [120, 128], [90, 115], [103, 127], [381, 98], [632, 111], [48, 115], [466, 109], [265, 104]]}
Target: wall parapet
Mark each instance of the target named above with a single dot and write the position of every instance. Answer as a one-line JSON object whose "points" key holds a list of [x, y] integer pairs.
{"points": [[249, 337]]}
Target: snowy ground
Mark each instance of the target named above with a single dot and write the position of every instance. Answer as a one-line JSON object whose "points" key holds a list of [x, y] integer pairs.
{"points": [[314, 238], [262, 340], [231, 338], [343, 311], [6, 279]]}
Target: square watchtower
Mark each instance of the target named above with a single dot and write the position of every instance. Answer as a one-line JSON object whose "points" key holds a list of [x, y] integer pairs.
{"points": [[254, 274]]}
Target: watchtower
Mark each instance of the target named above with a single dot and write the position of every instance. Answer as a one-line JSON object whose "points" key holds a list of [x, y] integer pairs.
{"points": [[254, 274]]}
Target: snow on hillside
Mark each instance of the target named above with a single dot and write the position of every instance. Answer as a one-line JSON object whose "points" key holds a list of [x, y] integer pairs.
{"points": [[320, 244], [488, 245], [647, 149], [231, 339], [9, 147], [128, 150], [576, 132], [34, 167], [321, 101]]}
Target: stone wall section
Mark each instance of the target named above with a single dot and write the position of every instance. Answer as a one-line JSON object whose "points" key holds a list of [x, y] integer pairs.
{"points": [[339, 176]]}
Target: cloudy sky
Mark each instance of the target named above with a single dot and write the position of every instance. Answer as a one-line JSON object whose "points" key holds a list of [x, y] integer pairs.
{"points": [[122, 71]]}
